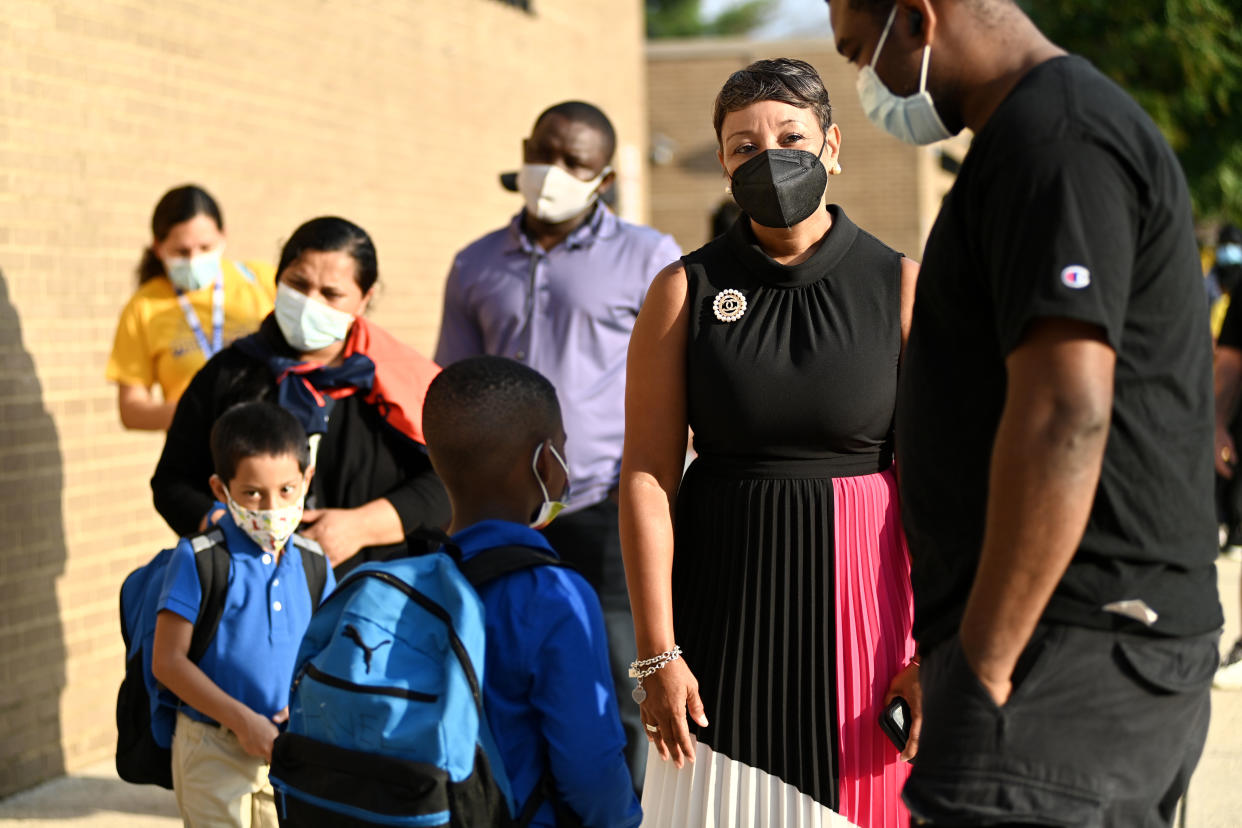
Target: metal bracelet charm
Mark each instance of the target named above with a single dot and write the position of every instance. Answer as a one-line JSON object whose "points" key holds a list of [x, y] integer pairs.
{"points": [[644, 667]]}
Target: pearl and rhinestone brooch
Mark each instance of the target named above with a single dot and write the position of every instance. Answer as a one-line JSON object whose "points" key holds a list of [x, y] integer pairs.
{"points": [[729, 305]]}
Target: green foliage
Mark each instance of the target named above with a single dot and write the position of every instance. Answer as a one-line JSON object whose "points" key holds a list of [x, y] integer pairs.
{"points": [[684, 18], [1182, 61]]}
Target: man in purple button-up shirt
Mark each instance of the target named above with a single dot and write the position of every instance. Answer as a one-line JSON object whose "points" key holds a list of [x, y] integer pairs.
{"points": [[558, 289]]}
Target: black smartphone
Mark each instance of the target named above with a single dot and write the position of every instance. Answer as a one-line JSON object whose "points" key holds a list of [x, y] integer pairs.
{"points": [[895, 722]]}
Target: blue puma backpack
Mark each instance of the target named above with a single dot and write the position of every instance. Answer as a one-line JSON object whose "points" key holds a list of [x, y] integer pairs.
{"points": [[386, 720]]}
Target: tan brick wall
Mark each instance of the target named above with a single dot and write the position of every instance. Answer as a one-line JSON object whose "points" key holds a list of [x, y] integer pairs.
{"points": [[397, 114], [885, 184]]}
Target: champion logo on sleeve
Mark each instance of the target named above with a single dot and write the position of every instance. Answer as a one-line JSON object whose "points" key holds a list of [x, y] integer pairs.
{"points": [[1076, 277]]}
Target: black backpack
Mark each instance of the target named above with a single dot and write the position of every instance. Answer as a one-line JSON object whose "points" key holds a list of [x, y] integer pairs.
{"points": [[143, 724]]}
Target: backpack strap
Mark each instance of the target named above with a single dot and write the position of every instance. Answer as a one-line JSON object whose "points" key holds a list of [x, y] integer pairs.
{"points": [[211, 556], [315, 565], [479, 570], [545, 791], [502, 560], [434, 537]]}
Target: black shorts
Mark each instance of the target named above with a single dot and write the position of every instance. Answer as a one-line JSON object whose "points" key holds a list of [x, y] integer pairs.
{"points": [[1102, 729]]}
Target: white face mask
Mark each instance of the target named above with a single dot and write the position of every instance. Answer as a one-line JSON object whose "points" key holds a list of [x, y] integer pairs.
{"points": [[196, 272], [309, 325], [1229, 254], [553, 195], [550, 508], [269, 528], [911, 119]]}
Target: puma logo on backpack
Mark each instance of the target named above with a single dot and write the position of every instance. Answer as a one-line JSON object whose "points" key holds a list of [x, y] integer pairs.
{"points": [[351, 632]]}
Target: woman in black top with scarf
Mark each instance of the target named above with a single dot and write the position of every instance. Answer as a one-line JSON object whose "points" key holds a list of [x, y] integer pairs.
{"points": [[357, 391]]}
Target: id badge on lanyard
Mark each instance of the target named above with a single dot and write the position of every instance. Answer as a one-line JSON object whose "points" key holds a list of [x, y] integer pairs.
{"points": [[209, 349]]}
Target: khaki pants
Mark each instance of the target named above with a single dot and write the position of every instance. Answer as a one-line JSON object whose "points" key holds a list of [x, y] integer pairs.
{"points": [[217, 783]]}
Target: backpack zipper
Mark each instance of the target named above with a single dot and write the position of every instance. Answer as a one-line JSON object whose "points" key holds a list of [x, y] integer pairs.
{"points": [[380, 690]]}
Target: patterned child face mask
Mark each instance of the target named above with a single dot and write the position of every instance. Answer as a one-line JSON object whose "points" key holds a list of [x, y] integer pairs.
{"points": [[269, 528]]}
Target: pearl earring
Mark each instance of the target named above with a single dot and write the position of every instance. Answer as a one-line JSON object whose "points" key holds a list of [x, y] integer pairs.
{"points": [[728, 189], [836, 168]]}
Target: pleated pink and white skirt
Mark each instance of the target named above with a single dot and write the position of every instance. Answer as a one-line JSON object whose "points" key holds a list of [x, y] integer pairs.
{"points": [[792, 603]]}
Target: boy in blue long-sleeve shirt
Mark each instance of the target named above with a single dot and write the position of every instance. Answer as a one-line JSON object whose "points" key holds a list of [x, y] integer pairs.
{"points": [[494, 434]]}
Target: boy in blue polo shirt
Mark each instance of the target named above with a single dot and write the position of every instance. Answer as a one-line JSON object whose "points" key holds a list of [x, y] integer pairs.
{"points": [[234, 697], [494, 434]]}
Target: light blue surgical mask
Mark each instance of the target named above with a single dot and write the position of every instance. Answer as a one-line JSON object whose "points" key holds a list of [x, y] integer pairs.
{"points": [[550, 508], [912, 119], [309, 325], [195, 272], [1229, 254]]}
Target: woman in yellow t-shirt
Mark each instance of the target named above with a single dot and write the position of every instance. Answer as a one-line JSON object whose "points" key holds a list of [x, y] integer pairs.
{"points": [[190, 303]]}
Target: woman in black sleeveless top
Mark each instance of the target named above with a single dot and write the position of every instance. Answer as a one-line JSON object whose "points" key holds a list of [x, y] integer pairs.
{"points": [[782, 573]]}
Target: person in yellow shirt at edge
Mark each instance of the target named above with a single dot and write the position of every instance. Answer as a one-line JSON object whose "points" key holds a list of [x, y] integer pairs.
{"points": [[190, 303]]}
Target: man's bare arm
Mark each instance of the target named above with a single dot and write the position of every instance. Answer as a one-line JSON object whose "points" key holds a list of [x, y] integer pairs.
{"points": [[1046, 464]]}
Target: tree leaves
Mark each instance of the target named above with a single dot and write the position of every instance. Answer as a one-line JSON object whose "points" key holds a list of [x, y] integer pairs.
{"points": [[1182, 61], [684, 18]]}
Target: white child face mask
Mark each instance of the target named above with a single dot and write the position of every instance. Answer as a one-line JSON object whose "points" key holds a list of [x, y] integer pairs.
{"points": [[309, 325], [912, 119], [550, 508], [196, 272], [554, 195], [269, 528]]}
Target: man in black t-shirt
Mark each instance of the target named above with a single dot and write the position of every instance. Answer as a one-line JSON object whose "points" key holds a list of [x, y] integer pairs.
{"points": [[1054, 429]]}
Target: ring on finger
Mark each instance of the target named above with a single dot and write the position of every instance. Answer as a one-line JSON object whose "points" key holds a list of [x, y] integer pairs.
{"points": [[651, 728]]}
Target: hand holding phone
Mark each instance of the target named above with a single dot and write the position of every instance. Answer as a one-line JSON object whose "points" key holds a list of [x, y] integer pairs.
{"points": [[895, 722]]}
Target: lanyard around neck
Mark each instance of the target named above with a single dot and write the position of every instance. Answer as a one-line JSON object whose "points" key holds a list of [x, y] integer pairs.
{"points": [[209, 349]]}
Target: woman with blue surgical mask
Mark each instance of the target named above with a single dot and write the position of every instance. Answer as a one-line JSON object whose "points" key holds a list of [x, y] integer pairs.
{"points": [[191, 302], [355, 388]]}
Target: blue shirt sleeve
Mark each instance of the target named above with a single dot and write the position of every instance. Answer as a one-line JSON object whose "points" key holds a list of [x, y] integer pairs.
{"points": [[573, 695], [459, 332], [182, 592]]}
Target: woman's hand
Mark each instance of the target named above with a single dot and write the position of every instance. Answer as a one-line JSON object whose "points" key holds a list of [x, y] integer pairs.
{"points": [[210, 519], [906, 684], [340, 532], [671, 692]]}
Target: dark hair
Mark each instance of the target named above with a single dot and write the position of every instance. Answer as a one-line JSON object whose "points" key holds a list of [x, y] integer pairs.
{"points": [[581, 112], [724, 216], [1228, 234], [328, 234], [482, 410], [788, 80], [178, 205], [256, 429]]}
